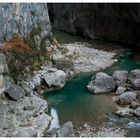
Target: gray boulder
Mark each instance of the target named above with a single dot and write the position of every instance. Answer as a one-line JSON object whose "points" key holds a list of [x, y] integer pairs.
{"points": [[15, 92], [66, 130], [120, 77], [56, 79], [137, 112], [120, 90], [103, 83], [136, 83], [134, 74], [127, 97]]}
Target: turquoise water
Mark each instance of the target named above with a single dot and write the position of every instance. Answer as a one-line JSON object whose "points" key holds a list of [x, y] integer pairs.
{"points": [[75, 103]]}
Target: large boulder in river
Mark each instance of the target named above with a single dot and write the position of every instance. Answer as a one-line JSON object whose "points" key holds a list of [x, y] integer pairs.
{"points": [[120, 77], [15, 92], [127, 97], [66, 130], [56, 79], [103, 83]]}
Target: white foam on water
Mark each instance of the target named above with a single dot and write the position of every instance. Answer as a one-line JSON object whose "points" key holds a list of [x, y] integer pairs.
{"points": [[55, 120]]}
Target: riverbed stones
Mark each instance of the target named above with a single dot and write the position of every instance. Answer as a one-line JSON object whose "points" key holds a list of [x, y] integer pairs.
{"points": [[137, 112], [120, 77], [84, 58], [15, 92], [103, 83], [127, 97]]}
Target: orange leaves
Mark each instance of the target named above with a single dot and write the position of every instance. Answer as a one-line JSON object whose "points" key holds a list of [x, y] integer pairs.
{"points": [[16, 45]]}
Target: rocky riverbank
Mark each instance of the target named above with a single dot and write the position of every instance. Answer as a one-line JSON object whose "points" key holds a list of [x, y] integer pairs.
{"points": [[124, 85]]}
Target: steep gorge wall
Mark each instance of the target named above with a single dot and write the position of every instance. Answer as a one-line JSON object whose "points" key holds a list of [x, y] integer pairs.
{"points": [[114, 22], [24, 18]]}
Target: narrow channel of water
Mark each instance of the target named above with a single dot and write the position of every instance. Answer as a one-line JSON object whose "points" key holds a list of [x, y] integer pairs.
{"points": [[76, 104]]}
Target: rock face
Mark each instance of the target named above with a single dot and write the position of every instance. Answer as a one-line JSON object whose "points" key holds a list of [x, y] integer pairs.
{"points": [[24, 118], [102, 83], [15, 92], [116, 22], [24, 18], [127, 98], [120, 77]]}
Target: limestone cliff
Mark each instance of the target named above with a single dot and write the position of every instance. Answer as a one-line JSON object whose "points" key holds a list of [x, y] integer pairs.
{"points": [[113, 22], [26, 19]]}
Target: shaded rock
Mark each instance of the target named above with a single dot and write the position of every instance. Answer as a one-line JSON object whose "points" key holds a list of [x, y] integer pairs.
{"points": [[125, 112], [134, 74], [120, 77], [120, 90], [136, 83], [15, 92], [56, 79], [137, 112], [134, 104], [127, 97], [66, 130], [102, 83]]}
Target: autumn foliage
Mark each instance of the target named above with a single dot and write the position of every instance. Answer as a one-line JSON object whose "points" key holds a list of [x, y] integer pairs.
{"points": [[17, 45]]}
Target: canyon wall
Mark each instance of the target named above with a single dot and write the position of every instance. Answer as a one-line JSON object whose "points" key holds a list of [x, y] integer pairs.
{"points": [[113, 22], [24, 18]]}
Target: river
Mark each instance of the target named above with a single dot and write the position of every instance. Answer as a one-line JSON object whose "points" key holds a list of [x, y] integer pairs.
{"points": [[75, 103]]}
